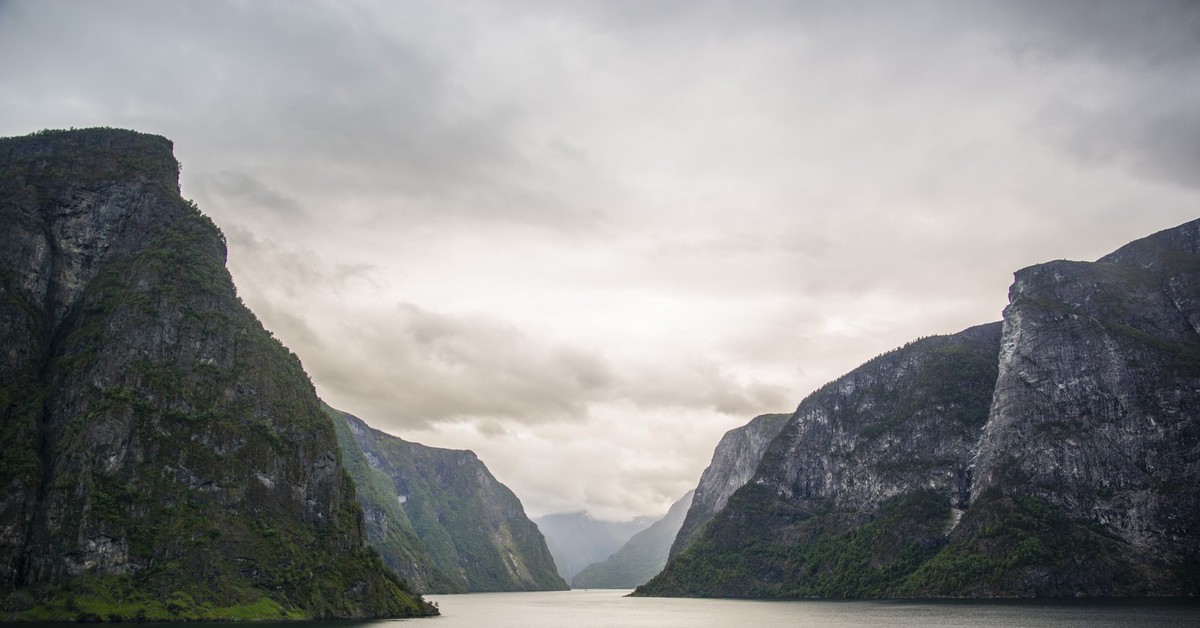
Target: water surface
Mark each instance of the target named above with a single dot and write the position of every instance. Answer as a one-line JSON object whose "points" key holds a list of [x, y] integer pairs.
{"points": [[601, 608], [604, 608]]}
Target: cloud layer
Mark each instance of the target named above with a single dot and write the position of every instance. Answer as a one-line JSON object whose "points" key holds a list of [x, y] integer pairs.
{"points": [[584, 239]]}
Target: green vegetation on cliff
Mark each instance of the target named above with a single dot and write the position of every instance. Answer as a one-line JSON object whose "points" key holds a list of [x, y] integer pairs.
{"points": [[1022, 546], [166, 457], [472, 526], [1003, 546], [776, 550], [1054, 459], [388, 529]]}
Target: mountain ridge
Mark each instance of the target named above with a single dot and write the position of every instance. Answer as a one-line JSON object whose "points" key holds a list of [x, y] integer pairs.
{"points": [[166, 457], [472, 527], [733, 463], [1064, 465]]}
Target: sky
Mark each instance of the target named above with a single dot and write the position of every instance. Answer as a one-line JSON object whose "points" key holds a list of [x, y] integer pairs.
{"points": [[584, 239]]}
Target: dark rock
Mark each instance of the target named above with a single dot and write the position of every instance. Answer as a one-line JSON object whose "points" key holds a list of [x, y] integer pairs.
{"points": [[133, 469], [733, 464], [1058, 459], [898, 432]]}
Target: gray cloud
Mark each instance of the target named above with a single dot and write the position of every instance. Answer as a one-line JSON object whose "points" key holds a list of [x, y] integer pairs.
{"points": [[242, 190], [414, 367], [587, 238], [1158, 139], [1140, 36], [1134, 109]]}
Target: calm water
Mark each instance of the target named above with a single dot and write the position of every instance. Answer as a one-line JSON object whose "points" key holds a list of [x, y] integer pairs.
{"points": [[604, 608]]}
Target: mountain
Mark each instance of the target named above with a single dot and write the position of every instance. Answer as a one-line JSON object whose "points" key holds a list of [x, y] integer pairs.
{"points": [[165, 457], [640, 558], [1057, 455], [890, 436], [388, 527], [472, 527], [577, 539], [733, 463]]}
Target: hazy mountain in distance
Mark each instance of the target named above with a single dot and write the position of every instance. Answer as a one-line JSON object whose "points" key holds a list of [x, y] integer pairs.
{"points": [[641, 557], [577, 539]]}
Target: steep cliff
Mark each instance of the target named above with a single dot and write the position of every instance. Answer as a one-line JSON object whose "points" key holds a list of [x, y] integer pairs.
{"points": [[388, 528], [473, 528], [165, 457], [1081, 482], [858, 485], [641, 557], [733, 464], [1095, 419]]}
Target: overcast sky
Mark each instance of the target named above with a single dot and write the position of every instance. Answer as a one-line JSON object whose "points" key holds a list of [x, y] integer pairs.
{"points": [[584, 239]]}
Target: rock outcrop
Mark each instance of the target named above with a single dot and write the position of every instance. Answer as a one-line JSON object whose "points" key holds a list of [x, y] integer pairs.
{"points": [[733, 464], [164, 456], [1097, 409], [472, 527], [641, 557], [1055, 456], [897, 433]]}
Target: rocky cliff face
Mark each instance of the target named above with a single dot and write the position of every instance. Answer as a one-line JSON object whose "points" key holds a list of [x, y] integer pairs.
{"points": [[472, 527], [1098, 397], [641, 557], [733, 464], [896, 433], [164, 456], [907, 420], [1056, 456]]}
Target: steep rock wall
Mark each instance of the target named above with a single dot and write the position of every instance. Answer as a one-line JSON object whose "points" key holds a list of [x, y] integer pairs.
{"points": [[733, 464], [1098, 398], [860, 482], [164, 456], [1059, 459], [472, 526]]}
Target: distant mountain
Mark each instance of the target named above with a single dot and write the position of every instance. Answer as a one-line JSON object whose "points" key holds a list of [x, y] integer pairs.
{"points": [[164, 458], [577, 539], [733, 464], [388, 527], [640, 558], [470, 526], [1053, 456]]}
